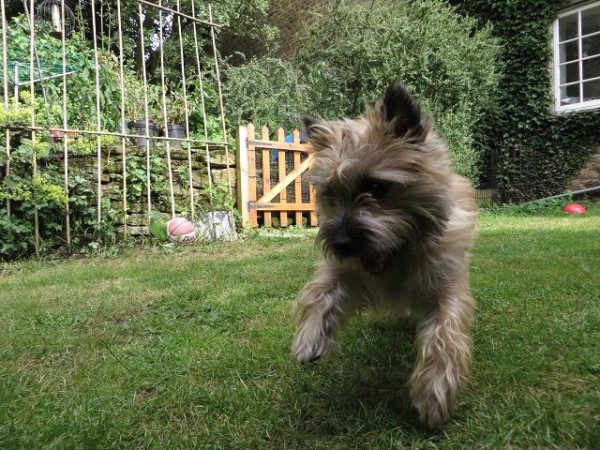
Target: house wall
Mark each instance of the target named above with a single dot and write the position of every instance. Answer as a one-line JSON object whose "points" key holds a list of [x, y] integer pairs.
{"points": [[536, 152], [588, 176]]}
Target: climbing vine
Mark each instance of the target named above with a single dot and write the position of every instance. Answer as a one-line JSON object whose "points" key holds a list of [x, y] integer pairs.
{"points": [[534, 151]]}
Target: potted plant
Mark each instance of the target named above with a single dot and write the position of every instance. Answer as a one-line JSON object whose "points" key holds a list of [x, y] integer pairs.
{"points": [[135, 109], [176, 115]]}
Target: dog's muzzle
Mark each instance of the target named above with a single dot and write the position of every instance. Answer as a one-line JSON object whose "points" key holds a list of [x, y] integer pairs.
{"points": [[345, 245]]}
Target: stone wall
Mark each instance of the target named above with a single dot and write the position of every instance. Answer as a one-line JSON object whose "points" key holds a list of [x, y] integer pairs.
{"points": [[137, 203]]}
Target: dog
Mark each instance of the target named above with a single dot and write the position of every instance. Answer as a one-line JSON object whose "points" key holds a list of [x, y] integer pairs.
{"points": [[396, 228]]}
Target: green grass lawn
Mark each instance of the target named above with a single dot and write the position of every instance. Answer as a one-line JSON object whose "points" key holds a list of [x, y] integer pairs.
{"points": [[190, 349]]}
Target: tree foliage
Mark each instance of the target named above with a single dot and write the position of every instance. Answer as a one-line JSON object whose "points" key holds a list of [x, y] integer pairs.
{"points": [[347, 56]]}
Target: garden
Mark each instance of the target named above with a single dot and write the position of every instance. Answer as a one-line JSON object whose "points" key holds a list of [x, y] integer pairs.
{"points": [[116, 337], [144, 349]]}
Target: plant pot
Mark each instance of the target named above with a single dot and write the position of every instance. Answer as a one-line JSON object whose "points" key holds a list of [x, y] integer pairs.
{"points": [[216, 225], [176, 131], [140, 129]]}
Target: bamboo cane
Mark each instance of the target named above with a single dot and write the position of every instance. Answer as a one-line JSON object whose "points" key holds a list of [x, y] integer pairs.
{"points": [[123, 125], [98, 118], [219, 90], [5, 94], [65, 126], [187, 112], [146, 114], [36, 215], [164, 108], [203, 106]]}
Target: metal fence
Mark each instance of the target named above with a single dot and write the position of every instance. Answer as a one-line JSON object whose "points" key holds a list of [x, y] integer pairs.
{"points": [[74, 75]]}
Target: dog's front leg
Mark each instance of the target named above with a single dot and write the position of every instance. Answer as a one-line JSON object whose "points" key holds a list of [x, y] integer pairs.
{"points": [[444, 357], [321, 308]]}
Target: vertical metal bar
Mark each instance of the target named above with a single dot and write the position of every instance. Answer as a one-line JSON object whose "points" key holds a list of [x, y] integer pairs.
{"points": [[186, 108], [203, 106], [164, 107], [123, 125], [64, 125], [98, 118], [36, 215], [219, 90], [146, 115], [5, 94]]}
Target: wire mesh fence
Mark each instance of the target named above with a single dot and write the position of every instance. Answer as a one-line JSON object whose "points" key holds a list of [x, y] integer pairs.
{"points": [[111, 111]]}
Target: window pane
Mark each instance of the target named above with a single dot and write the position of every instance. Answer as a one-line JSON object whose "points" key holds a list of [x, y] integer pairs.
{"points": [[569, 73], [590, 20], [591, 68], [567, 27], [591, 45], [569, 51], [591, 90], [569, 94]]}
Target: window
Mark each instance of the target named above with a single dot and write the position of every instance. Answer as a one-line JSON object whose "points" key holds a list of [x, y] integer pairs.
{"points": [[577, 58]]}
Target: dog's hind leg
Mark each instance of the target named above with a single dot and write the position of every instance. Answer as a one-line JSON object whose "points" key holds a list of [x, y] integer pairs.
{"points": [[444, 355], [323, 305]]}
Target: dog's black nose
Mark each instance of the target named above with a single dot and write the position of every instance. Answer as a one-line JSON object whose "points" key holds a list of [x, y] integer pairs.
{"points": [[343, 245]]}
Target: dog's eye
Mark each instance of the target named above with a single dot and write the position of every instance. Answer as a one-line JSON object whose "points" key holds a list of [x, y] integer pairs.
{"points": [[326, 196], [377, 188]]}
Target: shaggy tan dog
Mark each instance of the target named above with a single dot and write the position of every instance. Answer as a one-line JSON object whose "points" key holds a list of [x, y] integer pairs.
{"points": [[396, 228]]}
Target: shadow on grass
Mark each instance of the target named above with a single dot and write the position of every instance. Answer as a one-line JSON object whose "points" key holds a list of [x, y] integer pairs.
{"points": [[362, 388]]}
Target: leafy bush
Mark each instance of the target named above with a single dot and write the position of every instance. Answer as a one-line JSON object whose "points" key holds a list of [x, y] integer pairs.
{"points": [[347, 56], [268, 91]]}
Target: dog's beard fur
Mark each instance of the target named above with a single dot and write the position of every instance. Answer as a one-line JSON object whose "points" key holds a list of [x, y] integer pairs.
{"points": [[396, 229]]}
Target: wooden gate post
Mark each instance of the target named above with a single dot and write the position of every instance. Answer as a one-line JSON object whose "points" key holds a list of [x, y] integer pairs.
{"points": [[242, 175]]}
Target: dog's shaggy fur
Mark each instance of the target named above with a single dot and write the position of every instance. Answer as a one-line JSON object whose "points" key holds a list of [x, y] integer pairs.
{"points": [[396, 228]]}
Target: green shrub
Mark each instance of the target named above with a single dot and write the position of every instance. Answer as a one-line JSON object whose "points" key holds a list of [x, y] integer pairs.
{"points": [[267, 91], [348, 55]]}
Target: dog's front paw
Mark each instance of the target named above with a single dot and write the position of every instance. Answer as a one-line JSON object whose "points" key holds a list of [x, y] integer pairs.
{"points": [[432, 396], [433, 414], [309, 345], [305, 353]]}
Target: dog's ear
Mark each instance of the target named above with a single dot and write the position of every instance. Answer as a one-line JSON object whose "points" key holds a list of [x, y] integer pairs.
{"points": [[309, 122], [317, 132], [401, 111]]}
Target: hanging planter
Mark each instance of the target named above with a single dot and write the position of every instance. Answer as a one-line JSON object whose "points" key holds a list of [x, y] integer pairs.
{"points": [[52, 12]]}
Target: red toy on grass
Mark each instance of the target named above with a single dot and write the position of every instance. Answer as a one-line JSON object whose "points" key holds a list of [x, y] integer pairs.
{"points": [[574, 208]]}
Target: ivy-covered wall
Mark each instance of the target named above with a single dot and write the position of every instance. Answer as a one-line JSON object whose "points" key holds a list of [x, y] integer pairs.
{"points": [[532, 151]]}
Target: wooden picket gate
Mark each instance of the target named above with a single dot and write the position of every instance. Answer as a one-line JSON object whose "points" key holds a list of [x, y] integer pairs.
{"points": [[272, 190]]}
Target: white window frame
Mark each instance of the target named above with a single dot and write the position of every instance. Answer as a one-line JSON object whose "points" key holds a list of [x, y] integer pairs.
{"points": [[581, 105]]}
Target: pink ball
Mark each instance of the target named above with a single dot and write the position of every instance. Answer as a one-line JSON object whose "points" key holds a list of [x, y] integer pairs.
{"points": [[180, 229], [574, 208]]}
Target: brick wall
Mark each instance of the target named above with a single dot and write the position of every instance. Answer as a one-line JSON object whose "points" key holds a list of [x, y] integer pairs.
{"points": [[290, 16], [588, 177]]}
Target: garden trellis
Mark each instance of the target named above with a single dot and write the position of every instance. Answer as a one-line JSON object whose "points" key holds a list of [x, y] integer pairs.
{"points": [[63, 101]]}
